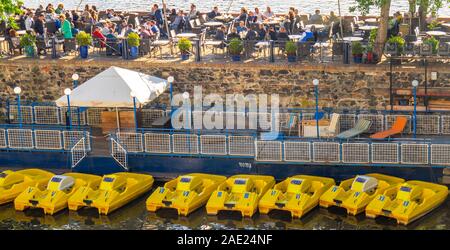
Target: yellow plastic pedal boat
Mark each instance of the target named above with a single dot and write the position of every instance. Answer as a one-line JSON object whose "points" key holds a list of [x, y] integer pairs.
{"points": [[115, 191], [239, 193], [354, 194], [297, 194], [408, 202], [185, 193], [12, 183], [55, 197]]}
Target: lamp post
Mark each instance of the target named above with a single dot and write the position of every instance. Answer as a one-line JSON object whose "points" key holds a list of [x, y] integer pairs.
{"points": [[17, 91], [133, 95], [415, 83], [188, 140], [67, 92], [316, 92], [170, 80], [75, 78]]}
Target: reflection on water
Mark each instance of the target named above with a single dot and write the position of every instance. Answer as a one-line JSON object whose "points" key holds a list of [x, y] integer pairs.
{"points": [[135, 216]]}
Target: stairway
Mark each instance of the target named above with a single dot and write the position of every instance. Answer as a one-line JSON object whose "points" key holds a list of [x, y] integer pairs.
{"points": [[100, 143]]}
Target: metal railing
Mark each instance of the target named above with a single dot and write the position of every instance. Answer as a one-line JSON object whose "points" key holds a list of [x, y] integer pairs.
{"points": [[78, 152], [395, 152], [119, 153], [41, 138]]}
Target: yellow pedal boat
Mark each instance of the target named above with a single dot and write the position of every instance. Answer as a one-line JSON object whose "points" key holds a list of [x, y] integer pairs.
{"points": [[408, 202], [354, 194], [12, 183], [115, 191], [55, 197], [297, 194], [185, 193], [239, 193]]}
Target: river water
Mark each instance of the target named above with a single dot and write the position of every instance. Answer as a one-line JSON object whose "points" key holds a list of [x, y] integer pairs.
{"points": [[135, 216], [278, 6]]}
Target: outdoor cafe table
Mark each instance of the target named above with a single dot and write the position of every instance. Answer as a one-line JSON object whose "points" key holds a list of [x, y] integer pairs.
{"points": [[436, 33], [368, 27], [21, 32], [352, 39], [187, 35], [295, 37], [371, 20], [213, 24], [318, 26]]}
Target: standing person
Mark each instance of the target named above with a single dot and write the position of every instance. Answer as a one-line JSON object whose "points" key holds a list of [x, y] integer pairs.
{"points": [[243, 16], [60, 9], [39, 25], [158, 15], [29, 22], [66, 27], [193, 13]]}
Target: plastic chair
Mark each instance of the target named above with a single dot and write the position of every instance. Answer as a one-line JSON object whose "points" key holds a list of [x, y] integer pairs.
{"points": [[397, 128], [361, 126]]}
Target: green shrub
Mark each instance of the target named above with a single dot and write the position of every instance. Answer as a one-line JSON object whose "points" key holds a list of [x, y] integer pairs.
{"points": [[235, 46], [357, 48], [83, 39], [133, 39], [27, 40], [184, 45], [291, 48], [399, 41], [433, 42]]}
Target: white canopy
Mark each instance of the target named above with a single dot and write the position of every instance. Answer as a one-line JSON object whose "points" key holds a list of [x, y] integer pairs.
{"points": [[112, 87]]}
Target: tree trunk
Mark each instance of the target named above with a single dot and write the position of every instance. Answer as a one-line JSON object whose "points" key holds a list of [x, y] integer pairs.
{"points": [[423, 9], [382, 28]]}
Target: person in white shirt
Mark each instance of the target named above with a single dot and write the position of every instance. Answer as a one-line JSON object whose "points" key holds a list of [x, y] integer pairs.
{"points": [[29, 22], [269, 12], [259, 16]]}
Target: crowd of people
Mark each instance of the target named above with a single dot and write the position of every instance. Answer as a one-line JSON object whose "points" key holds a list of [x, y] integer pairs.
{"points": [[254, 24]]}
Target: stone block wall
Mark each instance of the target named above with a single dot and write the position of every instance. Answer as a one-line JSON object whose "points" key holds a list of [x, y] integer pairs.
{"points": [[362, 86]]}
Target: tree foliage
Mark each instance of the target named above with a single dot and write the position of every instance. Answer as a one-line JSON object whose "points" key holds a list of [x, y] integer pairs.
{"points": [[364, 6], [9, 9]]}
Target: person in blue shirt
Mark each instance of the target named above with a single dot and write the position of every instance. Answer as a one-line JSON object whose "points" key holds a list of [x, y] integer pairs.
{"points": [[241, 27], [158, 15], [154, 28]]}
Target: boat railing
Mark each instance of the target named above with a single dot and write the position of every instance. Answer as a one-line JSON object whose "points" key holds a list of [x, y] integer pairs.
{"points": [[42, 137], [118, 151], [78, 152], [398, 152]]}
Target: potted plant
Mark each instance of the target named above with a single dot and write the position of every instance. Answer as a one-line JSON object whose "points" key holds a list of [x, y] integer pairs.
{"points": [[434, 25], [185, 46], [370, 46], [433, 42], [133, 42], [84, 40], [28, 42], [235, 48], [291, 51], [399, 42], [357, 52]]}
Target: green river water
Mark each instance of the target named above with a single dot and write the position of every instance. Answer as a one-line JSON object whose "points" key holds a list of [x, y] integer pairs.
{"points": [[134, 216]]}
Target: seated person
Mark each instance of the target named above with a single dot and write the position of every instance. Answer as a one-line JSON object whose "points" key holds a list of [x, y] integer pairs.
{"points": [[98, 35], [233, 35], [220, 33], [261, 32], [243, 16], [241, 27], [316, 18], [154, 28], [307, 36], [145, 33], [251, 35], [272, 33], [213, 13], [282, 35]]}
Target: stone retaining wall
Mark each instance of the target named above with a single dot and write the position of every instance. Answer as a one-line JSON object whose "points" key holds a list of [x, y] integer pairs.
{"points": [[362, 86]]}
